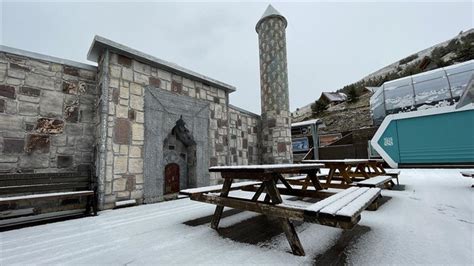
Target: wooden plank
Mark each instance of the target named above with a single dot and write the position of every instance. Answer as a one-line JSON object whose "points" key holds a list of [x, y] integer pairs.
{"points": [[218, 212], [292, 236], [298, 192], [258, 192], [41, 188], [34, 181], [62, 195], [217, 188], [278, 210], [378, 181], [267, 168], [15, 176]]}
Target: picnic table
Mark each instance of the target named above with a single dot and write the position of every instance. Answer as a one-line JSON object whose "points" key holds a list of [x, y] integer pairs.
{"points": [[351, 169], [340, 210]]}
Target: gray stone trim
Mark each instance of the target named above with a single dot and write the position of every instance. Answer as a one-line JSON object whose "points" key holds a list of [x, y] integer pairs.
{"points": [[15, 51], [243, 111], [100, 43], [104, 111]]}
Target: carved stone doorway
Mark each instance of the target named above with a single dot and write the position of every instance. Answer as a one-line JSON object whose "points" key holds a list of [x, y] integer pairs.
{"points": [[171, 178]]}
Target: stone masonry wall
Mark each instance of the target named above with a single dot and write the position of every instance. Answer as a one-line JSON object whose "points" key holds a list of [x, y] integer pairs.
{"points": [[244, 128], [47, 115], [276, 120], [125, 138]]}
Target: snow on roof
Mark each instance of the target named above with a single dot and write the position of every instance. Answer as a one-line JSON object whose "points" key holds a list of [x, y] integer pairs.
{"points": [[334, 96], [305, 123]]}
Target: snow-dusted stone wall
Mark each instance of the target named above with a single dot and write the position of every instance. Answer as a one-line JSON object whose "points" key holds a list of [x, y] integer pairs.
{"points": [[47, 113]]}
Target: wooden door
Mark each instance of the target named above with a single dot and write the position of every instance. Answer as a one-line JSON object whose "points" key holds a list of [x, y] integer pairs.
{"points": [[171, 178]]}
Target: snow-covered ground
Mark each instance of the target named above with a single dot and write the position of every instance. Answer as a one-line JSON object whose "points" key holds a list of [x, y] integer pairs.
{"points": [[431, 221]]}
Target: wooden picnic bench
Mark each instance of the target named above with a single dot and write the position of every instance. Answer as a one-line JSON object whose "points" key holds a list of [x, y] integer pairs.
{"points": [[34, 197], [339, 210], [363, 169]]}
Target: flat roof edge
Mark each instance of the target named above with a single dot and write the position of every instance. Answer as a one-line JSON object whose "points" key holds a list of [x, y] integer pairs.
{"points": [[43, 57], [243, 110], [100, 43]]}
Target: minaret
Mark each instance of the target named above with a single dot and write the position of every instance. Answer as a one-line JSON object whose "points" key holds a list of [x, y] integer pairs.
{"points": [[276, 122]]}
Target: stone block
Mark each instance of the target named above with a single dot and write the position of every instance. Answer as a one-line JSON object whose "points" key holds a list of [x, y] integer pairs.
{"points": [[69, 70], [51, 104], [137, 131], [142, 68], [121, 111], [2, 106], [26, 108], [139, 117], [58, 140], [71, 111], [37, 143], [136, 102], [176, 86], [122, 131], [87, 74], [34, 161], [119, 184], [164, 75], [135, 151], [136, 89], [12, 145], [7, 91], [19, 74], [135, 166], [139, 179], [29, 99], [39, 81], [120, 164], [70, 87], [115, 71], [49, 126], [64, 161], [124, 92], [127, 74], [131, 184], [124, 61], [155, 82], [140, 78]]}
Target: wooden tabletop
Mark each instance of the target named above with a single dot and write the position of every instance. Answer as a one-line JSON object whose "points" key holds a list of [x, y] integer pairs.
{"points": [[268, 168]]}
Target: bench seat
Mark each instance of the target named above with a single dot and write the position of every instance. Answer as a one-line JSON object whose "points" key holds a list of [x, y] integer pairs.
{"points": [[347, 204], [217, 188], [377, 181], [47, 196]]}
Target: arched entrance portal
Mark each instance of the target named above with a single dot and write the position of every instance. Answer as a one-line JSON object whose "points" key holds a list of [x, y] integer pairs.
{"points": [[171, 178]]}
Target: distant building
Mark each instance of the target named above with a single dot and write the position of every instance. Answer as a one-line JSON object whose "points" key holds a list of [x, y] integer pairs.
{"points": [[333, 98]]}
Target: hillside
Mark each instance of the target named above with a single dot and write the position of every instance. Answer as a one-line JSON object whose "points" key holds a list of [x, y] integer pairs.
{"points": [[350, 116]]}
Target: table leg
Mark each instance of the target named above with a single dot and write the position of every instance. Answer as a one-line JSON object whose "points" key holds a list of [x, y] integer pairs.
{"points": [[283, 181], [285, 223], [332, 171], [345, 175], [258, 192], [218, 212], [361, 170], [315, 180]]}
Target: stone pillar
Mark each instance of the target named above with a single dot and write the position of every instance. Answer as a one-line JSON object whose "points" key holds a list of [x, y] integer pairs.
{"points": [[276, 123]]}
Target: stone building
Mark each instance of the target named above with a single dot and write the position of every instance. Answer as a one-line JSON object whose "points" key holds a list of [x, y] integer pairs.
{"points": [[149, 127]]}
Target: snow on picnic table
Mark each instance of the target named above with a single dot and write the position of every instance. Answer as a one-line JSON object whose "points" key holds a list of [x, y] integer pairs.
{"points": [[431, 221]]}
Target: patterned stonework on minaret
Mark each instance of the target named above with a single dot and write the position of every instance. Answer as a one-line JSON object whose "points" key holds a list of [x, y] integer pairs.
{"points": [[276, 122]]}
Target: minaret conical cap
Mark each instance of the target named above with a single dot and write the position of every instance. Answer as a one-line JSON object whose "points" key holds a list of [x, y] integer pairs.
{"points": [[269, 13]]}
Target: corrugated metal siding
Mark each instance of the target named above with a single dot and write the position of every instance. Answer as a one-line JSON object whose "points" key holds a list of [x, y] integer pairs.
{"points": [[442, 138]]}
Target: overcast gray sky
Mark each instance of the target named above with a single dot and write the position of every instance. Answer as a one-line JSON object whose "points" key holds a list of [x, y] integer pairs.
{"points": [[329, 45]]}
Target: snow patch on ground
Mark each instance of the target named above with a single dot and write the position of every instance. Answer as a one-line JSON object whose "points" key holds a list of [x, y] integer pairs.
{"points": [[431, 221]]}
